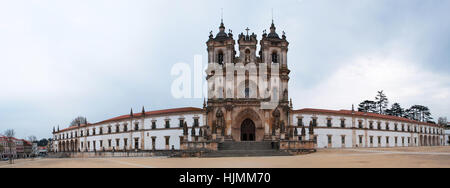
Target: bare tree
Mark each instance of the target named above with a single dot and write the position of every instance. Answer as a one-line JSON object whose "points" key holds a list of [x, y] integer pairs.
{"points": [[10, 133], [80, 120], [442, 121], [32, 138]]}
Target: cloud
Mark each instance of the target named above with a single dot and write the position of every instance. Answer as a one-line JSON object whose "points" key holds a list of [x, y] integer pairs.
{"points": [[403, 81]]}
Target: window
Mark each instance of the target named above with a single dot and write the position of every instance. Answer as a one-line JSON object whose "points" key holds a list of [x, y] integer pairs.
{"points": [[93, 131], [196, 124], [360, 140], [153, 124], [403, 140], [101, 143], [342, 123], [314, 122], [299, 121], [247, 55], [379, 125], [136, 126], [125, 127], [371, 139], [181, 122], [387, 126], [343, 139], [387, 139], [136, 143], [167, 124], [109, 143], [329, 139], [220, 58], [89, 145], [125, 142], [167, 140], [247, 92], [360, 124], [395, 140], [117, 128], [329, 123], [371, 125], [379, 140], [117, 142], [274, 57], [101, 130], [109, 130], [403, 127], [395, 127]]}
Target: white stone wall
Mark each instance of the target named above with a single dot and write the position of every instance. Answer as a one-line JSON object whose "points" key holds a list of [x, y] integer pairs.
{"points": [[352, 133], [145, 132], [447, 137]]}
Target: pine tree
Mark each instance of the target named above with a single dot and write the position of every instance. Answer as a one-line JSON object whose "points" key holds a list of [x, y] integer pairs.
{"points": [[381, 101]]}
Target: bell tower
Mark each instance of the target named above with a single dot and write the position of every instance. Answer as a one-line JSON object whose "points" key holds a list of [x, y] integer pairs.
{"points": [[274, 53]]}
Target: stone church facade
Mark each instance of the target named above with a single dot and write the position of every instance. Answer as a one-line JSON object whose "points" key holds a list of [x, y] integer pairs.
{"points": [[248, 101]]}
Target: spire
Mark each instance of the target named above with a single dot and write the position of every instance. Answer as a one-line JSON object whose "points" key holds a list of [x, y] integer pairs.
{"points": [[131, 113], [143, 111], [185, 129], [58, 128], [193, 131], [53, 129], [222, 35], [273, 33]]}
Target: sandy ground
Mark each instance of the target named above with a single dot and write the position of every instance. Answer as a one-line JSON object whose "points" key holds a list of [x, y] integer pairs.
{"points": [[422, 157]]}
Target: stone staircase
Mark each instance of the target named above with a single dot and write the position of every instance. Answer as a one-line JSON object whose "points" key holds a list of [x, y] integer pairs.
{"points": [[246, 149]]}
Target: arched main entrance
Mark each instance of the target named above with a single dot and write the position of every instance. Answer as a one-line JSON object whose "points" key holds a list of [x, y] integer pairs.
{"points": [[248, 130]]}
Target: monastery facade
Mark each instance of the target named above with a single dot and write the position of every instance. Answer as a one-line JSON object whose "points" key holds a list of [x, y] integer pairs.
{"points": [[248, 101]]}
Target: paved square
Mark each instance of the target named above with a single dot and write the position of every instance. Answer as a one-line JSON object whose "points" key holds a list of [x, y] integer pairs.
{"points": [[420, 157]]}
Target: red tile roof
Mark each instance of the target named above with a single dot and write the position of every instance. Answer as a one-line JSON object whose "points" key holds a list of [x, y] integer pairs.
{"points": [[361, 114], [137, 115]]}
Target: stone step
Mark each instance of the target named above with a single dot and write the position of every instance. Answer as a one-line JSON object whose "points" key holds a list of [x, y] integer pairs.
{"points": [[243, 153], [246, 146]]}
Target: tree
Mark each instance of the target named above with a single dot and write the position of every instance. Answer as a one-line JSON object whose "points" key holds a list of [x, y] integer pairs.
{"points": [[32, 138], [418, 113], [442, 121], [367, 106], [78, 121], [381, 101], [395, 110], [10, 133], [43, 142]]}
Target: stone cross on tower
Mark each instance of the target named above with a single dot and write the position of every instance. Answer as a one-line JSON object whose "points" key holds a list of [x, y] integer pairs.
{"points": [[247, 30]]}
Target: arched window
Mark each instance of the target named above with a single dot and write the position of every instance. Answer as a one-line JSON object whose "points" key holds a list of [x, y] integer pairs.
{"points": [[247, 92], [220, 58], [247, 55], [274, 57]]}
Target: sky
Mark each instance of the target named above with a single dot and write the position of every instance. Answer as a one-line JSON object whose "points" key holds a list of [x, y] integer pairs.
{"points": [[60, 59]]}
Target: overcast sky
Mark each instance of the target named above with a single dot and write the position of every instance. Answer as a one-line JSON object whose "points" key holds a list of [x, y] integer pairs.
{"points": [[99, 58]]}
